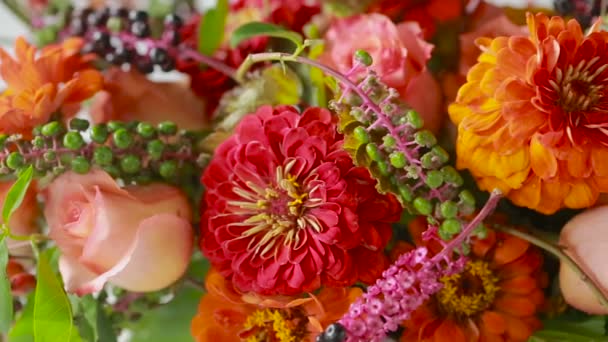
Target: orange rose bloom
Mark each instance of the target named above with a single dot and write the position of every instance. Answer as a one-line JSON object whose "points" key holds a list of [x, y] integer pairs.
{"points": [[495, 299], [533, 116], [225, 315], [41, 83]]}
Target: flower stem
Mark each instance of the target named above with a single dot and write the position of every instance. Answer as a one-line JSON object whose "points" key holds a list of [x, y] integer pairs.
{"points": [[212, 62], [16, 10], [563, 257]]}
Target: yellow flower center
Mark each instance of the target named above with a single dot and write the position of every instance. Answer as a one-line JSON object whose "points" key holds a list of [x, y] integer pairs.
{"points": [[470, 292], [278, 325]]}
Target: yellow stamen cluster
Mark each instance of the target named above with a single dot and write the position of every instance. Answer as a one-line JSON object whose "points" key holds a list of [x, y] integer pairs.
{"points": [[455, 300], [270, 321]]}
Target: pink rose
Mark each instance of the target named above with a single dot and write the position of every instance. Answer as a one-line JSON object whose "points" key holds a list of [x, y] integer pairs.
{"points": [[400, 55], [23, 220], [138, 238], [131, 96]]}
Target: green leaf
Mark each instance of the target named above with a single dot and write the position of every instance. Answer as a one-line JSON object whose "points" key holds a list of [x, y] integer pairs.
{"points": [[211, 28], [16, 193], [170, 322], [6, 299], [86, 317], [572, 329], [23, 329], [254, 29], [104, 325], [53, 320]]}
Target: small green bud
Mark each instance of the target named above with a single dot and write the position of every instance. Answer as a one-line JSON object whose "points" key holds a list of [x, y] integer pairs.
{"points": [[448, 209], [73, 140], [434, 179], [15, 160], [113, 126], [103, 155], [363, 57], [51, 129], [373, 152], [168, 169], [49, 156], [451, 175], [38, 142], [155, 149], [167, 128], [122, 138], [389, 141], [425, 138], [423, 205], [405, 193], [361, 134], [112, 171], [80, 165], [451, 226], [467, 198], [99, 133], [398, 160], [414, 119], [130, 164], [442, 156], [382, 167], [79, 124], [145, 130]]}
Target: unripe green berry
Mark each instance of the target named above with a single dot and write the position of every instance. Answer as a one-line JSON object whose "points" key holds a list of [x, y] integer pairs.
{"points": [[80, 164], [466, 197], [79, 124], [168, 169], [398, 160], [122, 138], [37, 130], [444, 235], [112, 171], [3, 138], [38, 142], [451, 226], [167, 128], [99, 133], [57, 170], [423, 205], [130, 164], [425, 138], [145, 130], [113, 126], [382, 167], [51, 129], [414, 119], [451, 175], [73, 141], [441, 154], [361, 134], [363, 57], [448, 209], [103, 155], [434, 179], [15, 160], [405, 193], [389, 141], [155, 149], [49, 156], [373, 152]]}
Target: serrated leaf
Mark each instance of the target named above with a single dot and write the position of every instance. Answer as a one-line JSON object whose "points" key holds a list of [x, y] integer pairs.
{"points": [[6, 299], [16, 193], [53, 319], [211, 28], [256, 28]]}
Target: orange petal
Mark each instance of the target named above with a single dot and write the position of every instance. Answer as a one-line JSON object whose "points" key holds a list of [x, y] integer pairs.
{"points": [[542, 160], [515, 305], [481, 247], [579, 163], [449, 331], [599, 155], [525, 265], [517, 329], [528, 195], [519, 285], [581, 195], [494, 322], [509, 248]]}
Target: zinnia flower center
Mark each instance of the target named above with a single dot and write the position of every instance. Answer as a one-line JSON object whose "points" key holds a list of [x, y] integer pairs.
{"points": [[578, 88], [280, 325], [469, 292]]}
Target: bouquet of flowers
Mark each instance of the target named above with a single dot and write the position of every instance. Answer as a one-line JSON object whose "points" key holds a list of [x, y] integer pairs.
{"points": [[283, 171]]}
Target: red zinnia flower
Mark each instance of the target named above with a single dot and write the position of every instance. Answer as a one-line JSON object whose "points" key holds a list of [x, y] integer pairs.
{"points": [[286, 209]]}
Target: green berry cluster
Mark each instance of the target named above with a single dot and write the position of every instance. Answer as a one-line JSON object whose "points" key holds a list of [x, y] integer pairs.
{"points": [[385, 135], [136, 152]]}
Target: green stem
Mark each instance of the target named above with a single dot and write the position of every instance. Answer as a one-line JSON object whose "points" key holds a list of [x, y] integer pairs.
{"points": [[563, 257], [14, 8]]}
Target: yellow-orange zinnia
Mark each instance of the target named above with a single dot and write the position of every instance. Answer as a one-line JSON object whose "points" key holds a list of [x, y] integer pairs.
{"points": [[40, 83], [533, 116]]}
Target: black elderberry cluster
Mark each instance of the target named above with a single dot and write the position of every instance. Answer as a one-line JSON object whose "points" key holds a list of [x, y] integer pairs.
{"points": [[582, 10], [123, 37]]}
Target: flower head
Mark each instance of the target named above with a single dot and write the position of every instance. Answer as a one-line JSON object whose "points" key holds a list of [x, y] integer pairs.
{"points": [[57, 78], [532, 116], [227, 315], [494, 298], [286, 209]]}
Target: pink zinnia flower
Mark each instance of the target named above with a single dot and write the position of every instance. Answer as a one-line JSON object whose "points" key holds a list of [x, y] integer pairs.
{"points": [[286, 209]]}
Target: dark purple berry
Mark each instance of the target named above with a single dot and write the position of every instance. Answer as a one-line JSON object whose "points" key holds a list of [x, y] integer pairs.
{"points": [[85, 13], [173, 20], [99, 19], [159, 56], [172, 37], [168, 65], [136, 15], [78, 27], [320, 338], [140, 29], [125, 54], [101, 41], [564, 7], [334, 333], [119, 12], [144, 65]]}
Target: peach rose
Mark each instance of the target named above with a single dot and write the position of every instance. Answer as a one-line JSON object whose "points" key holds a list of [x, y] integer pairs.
{"points": [[400, 55], [138, 237], [131, 96], [23, 220]]}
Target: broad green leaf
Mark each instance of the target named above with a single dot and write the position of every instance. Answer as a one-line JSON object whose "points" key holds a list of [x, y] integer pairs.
{"points": [[85, 311], [254, 29], [6, 299], [572, 329], [53, 321], [170, 322], [16, 193], [104, 325], [211, 28], [23, 329]]}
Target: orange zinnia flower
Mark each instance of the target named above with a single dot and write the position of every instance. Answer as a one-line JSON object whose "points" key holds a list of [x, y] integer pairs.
{"points": [[494, 299], [533, 116], [226, 315], [41, 83]]}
